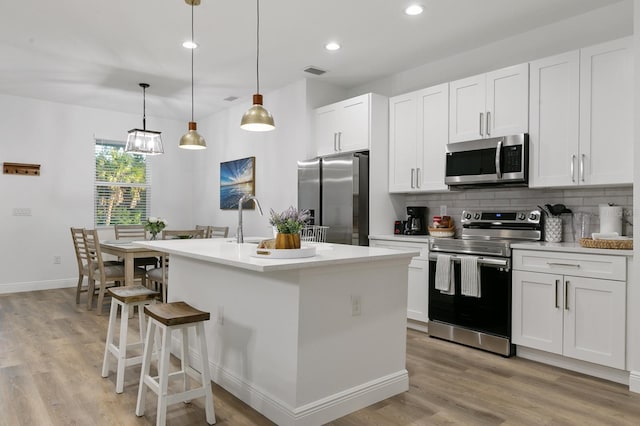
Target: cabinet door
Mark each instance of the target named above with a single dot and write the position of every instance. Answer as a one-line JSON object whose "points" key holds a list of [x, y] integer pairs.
{"points": [[537, 311], [402, 142], [594, 324], [507, 105], [553, 135], [418, 290], [326, 132], [467, 108], [433, 135], [353, 132], [606, 113]]}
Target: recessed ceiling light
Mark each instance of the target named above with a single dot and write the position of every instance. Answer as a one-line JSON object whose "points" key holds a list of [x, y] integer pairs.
{"points": [[414, 9], [190, 44], [332, 46]]}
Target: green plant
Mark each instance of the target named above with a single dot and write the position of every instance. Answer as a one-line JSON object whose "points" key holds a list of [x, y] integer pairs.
{"points": [[155, 225], [290, 221]]}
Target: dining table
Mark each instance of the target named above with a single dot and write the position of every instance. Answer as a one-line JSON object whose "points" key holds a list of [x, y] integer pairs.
{"points": [[128, 251]]}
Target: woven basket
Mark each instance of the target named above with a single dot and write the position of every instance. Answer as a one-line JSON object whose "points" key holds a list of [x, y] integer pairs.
{"points": [[442, 232], [607, 244]]}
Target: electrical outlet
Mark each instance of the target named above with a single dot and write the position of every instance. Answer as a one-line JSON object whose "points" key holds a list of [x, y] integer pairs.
{"points": [[21, 211], [356, 305], [57, 260], [220, 315], [443, 210]]}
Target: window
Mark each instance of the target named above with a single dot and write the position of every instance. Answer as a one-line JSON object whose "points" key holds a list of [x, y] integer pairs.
{"points": [[122, 185]]}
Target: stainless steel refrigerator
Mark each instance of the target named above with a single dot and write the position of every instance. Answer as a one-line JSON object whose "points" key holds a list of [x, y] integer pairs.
{"points": [[336, 191]]}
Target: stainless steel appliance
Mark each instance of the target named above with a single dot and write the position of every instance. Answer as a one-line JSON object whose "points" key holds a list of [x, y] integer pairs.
{"points": [[483, 322], [502, 161], [336, 191], [416, 221]]}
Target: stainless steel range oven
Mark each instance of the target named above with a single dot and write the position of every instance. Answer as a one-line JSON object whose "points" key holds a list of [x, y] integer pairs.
{"points": [[477, 316]]}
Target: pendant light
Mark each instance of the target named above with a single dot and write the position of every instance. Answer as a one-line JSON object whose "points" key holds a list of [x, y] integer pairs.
{"points": [[257, 118], [192, 139], [143, 141]]}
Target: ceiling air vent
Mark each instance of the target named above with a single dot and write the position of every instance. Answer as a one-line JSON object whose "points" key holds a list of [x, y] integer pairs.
{"points": [[314, 70], [230, 98]]}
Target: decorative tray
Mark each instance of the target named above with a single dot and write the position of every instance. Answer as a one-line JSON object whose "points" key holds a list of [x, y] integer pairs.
{"points": [[267, 253], [442, 232], [626, 244]]}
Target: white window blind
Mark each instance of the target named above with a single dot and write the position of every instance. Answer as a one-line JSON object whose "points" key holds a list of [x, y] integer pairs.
{"points": [[122, 185]]}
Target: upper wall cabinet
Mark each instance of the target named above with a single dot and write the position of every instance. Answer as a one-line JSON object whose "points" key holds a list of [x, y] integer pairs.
{"points": [[344, 126], [489, 105], [418, 134], [581, 117]]}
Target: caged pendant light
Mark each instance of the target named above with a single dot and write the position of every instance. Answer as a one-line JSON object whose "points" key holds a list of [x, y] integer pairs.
{"points": [[192, 139], [143, 141], [257, 118]]}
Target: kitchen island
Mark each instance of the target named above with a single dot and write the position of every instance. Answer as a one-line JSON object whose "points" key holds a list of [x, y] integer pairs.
{"points": [[302, 341]]}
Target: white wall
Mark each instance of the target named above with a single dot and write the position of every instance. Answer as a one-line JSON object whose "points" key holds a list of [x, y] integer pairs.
{"points": [[600, 25], [276, 152], [60, 138]]}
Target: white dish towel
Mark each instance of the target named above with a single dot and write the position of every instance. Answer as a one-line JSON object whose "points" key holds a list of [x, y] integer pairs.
{"points": [[444, 275], [470, 279]]}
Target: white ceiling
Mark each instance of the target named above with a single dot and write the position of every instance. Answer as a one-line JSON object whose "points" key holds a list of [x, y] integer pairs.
{"points": [[95, 52]]}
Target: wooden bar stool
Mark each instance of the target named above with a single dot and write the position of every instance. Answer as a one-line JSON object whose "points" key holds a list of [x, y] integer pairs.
{"points": [[169, 317], [125, 297]]}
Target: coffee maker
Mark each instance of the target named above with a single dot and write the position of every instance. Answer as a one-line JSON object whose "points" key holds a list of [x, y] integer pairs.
{"points": [[416, 221]]}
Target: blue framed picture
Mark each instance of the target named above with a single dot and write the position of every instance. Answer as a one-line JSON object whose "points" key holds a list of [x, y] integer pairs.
{"points": [[237, 178]]}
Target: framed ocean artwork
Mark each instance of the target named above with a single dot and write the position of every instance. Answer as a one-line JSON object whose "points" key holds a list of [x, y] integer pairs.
{"points": [[237, 178]]}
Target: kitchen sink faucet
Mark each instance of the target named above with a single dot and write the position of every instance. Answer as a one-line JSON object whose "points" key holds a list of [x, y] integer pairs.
{"points": [[246, 197]]}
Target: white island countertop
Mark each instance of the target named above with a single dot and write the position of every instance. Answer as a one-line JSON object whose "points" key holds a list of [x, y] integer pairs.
{"points": [[227, 252]]}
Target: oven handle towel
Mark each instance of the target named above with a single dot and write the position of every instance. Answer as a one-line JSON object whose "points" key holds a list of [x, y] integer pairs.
{"points": [[470, 276], [445, 275]]}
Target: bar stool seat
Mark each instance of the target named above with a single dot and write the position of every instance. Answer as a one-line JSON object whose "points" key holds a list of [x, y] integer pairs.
{"points": [[125, 297], [169, 317]]}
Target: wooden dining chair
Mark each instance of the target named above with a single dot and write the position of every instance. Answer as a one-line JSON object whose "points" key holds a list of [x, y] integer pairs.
{"points": [[135, 233], [103, 274], [206, 228], [158, 277], [82, 257], [219, 232]]}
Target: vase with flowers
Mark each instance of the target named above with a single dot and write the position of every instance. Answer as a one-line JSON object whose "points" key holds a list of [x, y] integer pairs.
{"points": [[289, 223], [155, 225]]}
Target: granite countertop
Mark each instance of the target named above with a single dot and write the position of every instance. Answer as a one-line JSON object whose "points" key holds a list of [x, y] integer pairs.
{"points": [[568, 247]]}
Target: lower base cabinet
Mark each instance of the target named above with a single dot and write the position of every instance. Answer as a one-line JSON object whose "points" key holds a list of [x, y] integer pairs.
{"points": [[578, 317]]}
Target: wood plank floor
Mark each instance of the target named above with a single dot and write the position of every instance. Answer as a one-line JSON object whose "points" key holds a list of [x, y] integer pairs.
{"points": [[51, 356]]}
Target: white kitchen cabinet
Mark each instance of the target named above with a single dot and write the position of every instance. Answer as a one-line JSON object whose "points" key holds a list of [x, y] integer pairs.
{"points": [[418, 134], [418, 283], [345, 126], [489, 105], [581, 117], [565, 312]]}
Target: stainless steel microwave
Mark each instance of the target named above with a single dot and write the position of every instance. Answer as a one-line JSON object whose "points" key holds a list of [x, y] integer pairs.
{"points": [[488, 162]]}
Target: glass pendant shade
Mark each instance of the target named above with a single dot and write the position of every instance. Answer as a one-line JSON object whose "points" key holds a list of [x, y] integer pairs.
{"points": [[146, 142], [257, 118], [192, 139]]}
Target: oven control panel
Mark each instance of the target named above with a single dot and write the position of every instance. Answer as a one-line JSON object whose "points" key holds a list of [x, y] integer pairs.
{"points": [[502, 217]]}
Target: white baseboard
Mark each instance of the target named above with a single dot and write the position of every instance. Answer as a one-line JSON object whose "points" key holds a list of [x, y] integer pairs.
{"points": [[37, 285], [634, 381], [315, 413], [607, 373]]}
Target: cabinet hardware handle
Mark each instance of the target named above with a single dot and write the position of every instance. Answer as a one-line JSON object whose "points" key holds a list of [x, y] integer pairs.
{"points": [[566, 295], [556, 293], [335, 139], [582, 167], [488, 123], [481, 123], [573, 175], [418, 177], [568, 265], [339, 141], [412, 178]]}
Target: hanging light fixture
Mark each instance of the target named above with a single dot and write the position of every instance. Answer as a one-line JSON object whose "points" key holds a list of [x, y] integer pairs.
{"points": [[143, 141], [192, 139], [257, 118]]}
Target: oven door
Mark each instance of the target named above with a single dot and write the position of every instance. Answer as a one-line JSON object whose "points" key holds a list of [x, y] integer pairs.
{"points": [[490, 313]]}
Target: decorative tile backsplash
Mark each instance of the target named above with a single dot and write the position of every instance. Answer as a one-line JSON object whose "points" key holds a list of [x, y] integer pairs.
{"points": [[584, 200]]}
